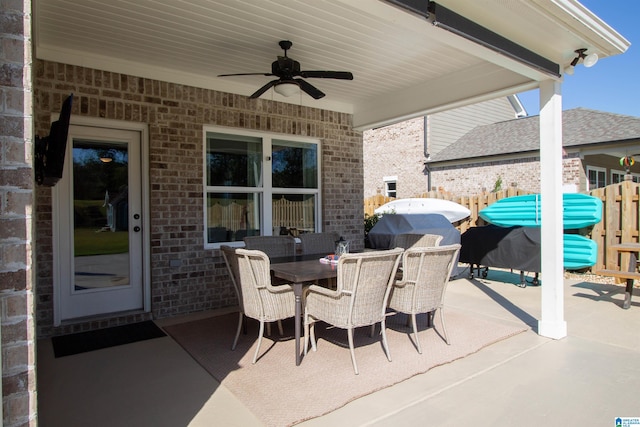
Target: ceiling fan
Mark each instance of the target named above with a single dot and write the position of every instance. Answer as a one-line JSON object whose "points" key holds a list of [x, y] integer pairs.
{"points": [[286, 69]]}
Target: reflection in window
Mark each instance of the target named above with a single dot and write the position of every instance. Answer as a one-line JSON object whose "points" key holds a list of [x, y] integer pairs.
{"points": [[293, 213], [294, 164], [245, 195], [233, 160], [232, 216]]}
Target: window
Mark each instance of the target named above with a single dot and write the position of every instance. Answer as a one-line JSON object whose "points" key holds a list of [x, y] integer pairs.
{"points": [[618, 176], [597, 177], [259, 184], [390, 186]]}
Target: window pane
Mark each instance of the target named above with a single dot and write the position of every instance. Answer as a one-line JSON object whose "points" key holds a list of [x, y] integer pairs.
{"points": [[232, 216], [233, 160], [293, 213], [295, 164]]}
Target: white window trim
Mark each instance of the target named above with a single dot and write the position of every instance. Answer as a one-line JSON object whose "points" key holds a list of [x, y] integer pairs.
{"points": [[266, 191], [387, 180], [620, 172], [596, 169]]}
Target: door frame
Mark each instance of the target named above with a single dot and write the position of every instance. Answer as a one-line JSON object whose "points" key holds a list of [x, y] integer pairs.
{"points": [[108, 124]]}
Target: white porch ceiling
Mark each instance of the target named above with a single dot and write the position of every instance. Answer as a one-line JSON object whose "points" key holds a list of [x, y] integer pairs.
{"points": [[403, 65]]}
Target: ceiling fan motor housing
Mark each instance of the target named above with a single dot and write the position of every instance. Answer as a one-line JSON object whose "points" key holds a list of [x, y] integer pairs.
{"points": [[285, 67]]}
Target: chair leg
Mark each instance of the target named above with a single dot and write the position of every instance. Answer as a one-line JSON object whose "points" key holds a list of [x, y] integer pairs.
{"points": [[444, 328], [280, 328], [268, 330], [312, 336], [353, 353], [306, 336], [240, 322], [385, 344], [414, 324], [255, 356], [372, 330]]}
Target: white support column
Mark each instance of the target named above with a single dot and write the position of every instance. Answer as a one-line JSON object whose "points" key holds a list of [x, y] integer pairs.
{"points": [[551, 323]]}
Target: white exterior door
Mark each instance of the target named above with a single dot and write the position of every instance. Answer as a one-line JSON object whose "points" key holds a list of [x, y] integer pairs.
{"points": [[99, 225]]}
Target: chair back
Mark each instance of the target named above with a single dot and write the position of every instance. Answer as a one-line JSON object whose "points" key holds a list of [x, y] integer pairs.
{"points": [[231, 261], [255, 275], [408, 240], [318, 243], [430, 270], [273, 246], [364, 282]]}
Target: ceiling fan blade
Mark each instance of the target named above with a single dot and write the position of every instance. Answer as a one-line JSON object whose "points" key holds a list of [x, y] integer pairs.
{"points": [[263, 89], [245, 74], [344, 75], [311, 90]]}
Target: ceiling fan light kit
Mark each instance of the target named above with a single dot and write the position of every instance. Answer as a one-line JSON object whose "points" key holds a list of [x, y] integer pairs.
{"points": [[286, 89], [287, 69]]}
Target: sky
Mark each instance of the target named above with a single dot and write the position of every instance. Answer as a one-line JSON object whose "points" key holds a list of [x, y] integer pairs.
{"points": [[612, 84]]}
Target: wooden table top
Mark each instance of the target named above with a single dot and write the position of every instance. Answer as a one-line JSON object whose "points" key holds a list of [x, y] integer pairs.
{"points": [[304, 271]]}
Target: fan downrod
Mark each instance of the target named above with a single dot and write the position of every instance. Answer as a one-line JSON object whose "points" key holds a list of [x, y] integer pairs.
{"points": [[285, 45]]}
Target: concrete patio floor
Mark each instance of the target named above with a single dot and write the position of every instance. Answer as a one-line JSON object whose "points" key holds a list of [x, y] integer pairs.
{"points": [[586, 379]]}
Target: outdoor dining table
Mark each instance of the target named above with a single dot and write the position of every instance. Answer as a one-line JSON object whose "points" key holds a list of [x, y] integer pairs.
{"points": [[299, 270]]}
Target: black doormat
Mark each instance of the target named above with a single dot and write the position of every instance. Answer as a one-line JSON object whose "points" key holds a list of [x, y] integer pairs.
{"points": [[66, 345]]}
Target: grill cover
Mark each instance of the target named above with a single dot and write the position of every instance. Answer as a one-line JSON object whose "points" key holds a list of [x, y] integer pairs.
{"points": [[382, 235], [503, 247]]}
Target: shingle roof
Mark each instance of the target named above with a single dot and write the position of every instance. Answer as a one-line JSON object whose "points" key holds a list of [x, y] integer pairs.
{"points": [[580, 126]]}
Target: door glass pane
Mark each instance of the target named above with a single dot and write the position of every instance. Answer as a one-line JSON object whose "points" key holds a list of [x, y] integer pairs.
{"points": [[232, 216], [295, 164], [100, 215], [294, 213]]}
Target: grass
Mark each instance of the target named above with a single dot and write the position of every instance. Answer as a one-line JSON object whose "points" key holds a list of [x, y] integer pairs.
{"points": [[91, 241]]}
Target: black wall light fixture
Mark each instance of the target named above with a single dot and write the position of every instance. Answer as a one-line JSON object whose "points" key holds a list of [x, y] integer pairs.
{"points": [[447, 19]]}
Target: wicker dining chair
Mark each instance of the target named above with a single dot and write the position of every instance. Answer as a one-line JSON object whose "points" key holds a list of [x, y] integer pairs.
{"points": [[231, 261], [261, 300], [318, 243], [408, 240], [364, 282], [426, 272], [273, 246]]}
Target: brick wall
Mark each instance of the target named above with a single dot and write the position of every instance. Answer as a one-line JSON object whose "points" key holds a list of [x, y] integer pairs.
{"points": [[16, 200], [522, 173], [175, 115], [395, 150]]}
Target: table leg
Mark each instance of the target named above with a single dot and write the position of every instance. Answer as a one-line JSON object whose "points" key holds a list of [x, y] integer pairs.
{"points": [[628, 293], [297, 291], [633, 266]]}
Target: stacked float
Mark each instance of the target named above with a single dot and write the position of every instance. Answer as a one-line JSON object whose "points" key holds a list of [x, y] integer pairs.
{"points": [[511, 214]]}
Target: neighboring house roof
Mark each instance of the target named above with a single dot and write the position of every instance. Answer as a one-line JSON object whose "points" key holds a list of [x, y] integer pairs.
{"points": [[580, 126]]}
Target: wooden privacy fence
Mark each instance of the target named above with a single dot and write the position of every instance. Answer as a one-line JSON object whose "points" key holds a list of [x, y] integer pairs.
{"points": [[619, 223], [474, 203], [620, 218]]}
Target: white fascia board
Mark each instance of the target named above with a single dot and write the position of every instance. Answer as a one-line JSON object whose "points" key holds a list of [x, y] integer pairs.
{"points": [[586, 25]]}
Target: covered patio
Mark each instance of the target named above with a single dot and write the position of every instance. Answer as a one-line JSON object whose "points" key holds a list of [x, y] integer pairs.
{"points": [[408, 58], [151, 68]]}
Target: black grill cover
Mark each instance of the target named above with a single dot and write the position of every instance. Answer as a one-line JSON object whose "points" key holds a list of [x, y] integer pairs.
{"points": [[382, 235], [516, 248]]}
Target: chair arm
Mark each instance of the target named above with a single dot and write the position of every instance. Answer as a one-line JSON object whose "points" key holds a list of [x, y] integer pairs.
{"points": [[321, 290], [279, 289], [403, 283]]}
